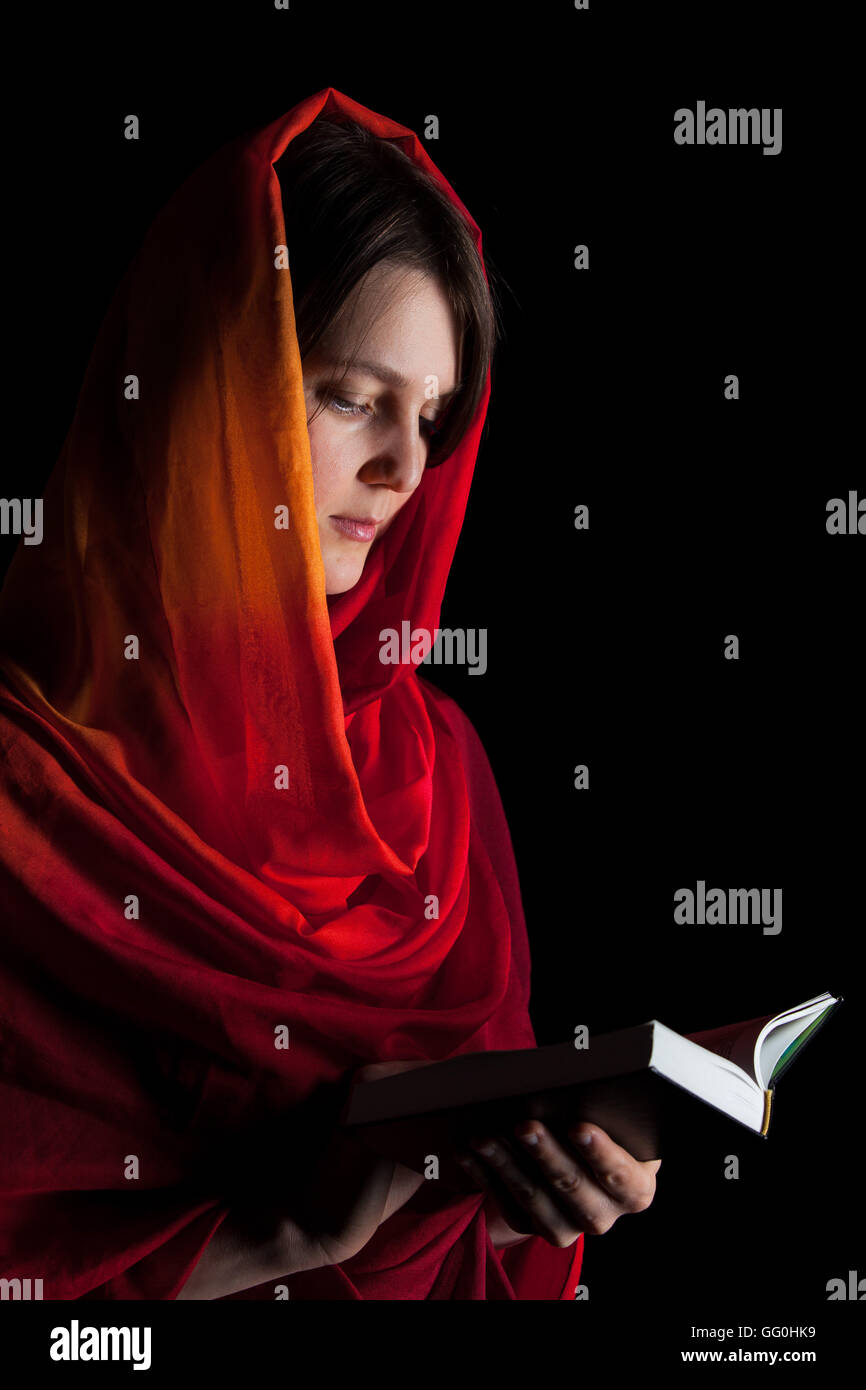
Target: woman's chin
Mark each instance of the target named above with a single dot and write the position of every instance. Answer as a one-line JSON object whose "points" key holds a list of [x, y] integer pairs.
{"points": [[339, 579]]}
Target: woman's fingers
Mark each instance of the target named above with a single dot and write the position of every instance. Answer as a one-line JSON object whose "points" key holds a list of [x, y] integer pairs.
{"points": [[577, 1191], [564, 1194], [530, 1191], [629, 1182]]}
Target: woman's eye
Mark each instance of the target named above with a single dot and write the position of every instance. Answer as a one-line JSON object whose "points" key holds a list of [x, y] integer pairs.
{"points": [[344, 407]]}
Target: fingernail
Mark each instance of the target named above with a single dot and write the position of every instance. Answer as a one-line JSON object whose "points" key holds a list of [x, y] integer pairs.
{"points": [[586, 1138], [483, 1146], [529, 1138]]}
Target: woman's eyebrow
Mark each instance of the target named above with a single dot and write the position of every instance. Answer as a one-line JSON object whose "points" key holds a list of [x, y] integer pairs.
{"points": [[383, 372]]}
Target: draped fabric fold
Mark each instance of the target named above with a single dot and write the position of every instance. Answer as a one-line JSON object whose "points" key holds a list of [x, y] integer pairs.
{"points": [[223, 817]]}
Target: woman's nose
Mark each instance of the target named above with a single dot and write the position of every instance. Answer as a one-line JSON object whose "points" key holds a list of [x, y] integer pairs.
{"points": [[399, 459]]}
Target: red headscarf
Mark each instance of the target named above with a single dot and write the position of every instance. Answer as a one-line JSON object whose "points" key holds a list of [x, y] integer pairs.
{"points": [[168, 902]]}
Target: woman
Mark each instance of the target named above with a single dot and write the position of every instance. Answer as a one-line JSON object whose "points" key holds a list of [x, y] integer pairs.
{"points": [[243, 856]]}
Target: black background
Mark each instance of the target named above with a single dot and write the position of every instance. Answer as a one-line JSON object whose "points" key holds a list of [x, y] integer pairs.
{"points": [[707, 517]]}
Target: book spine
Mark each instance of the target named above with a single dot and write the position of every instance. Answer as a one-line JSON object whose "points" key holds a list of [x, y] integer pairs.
{"points": [[768, 1102]]}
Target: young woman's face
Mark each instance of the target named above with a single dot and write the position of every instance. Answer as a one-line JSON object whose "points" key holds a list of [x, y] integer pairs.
{"points": [[370, 443]]}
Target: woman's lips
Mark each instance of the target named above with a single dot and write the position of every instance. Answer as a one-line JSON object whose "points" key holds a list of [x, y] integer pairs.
{"points": [[364, 530]]}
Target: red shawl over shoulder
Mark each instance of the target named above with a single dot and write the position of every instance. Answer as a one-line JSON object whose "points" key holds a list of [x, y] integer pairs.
{"points": [[168, 903]]}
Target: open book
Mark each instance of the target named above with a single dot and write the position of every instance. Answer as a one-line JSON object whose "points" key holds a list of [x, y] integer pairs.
{"points": [[638, 1084]]}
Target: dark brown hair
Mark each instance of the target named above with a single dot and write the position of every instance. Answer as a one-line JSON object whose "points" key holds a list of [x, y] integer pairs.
{"points": [[351, 200]]}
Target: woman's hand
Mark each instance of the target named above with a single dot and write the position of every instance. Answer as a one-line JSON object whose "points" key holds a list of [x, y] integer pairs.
{"points": [[351, 1192], [550, 1191], [340, 1196]]}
